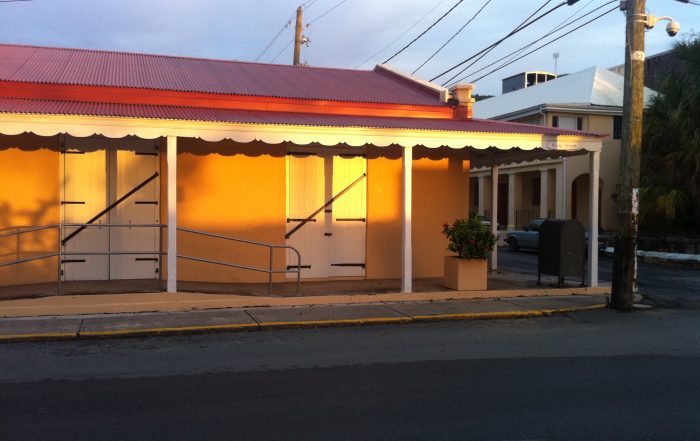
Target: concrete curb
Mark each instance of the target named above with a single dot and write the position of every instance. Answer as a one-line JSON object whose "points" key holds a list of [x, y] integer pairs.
{"points": [[186, 330]]}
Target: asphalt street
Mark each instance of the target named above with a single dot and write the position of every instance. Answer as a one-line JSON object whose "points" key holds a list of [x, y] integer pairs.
{"points": [[588, 375], [591, 375]]}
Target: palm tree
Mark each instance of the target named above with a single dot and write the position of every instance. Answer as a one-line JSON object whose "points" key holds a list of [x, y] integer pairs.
{"points": [[671, 150]]}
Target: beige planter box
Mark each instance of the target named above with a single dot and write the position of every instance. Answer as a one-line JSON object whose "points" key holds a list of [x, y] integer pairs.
{"points": [[465, 274]]}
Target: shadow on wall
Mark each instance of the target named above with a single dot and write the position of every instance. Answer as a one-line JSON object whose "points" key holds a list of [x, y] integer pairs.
{"points": [[440, 194], [29, 196], [231, 189]]}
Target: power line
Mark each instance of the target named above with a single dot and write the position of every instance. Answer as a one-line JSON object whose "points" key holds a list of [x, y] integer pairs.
{"points": [[306, 5], [453, 36], [560, 26], [288, 23], [424, 32], [402, 34], [546, 44], [481, 54], [327, 12], [282, 51], [515, 30], [557, 28]]}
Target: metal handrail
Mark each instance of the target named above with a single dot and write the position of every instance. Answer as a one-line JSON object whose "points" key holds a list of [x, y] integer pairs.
{"points": [[270, 271], [57, 254], [29, 230], [29, 259], [60, 254]]}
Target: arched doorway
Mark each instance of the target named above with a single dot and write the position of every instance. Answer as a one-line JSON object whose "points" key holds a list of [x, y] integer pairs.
{"points": [[580, 192]]}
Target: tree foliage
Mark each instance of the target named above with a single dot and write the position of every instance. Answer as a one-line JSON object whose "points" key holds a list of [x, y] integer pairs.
{"points": [[670, 194]]}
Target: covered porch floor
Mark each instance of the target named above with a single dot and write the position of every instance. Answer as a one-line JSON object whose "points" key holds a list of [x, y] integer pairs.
{"points": [[517, 283]]}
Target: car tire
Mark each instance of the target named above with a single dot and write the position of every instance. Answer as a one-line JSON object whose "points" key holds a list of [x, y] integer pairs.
{"points": [[512, 244]]}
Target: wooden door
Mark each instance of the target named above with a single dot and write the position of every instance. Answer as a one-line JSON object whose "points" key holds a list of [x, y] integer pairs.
{"points": [[84, 194], [332, 243], [135, 162], [96, 173], [306, 190], [349, 216]]}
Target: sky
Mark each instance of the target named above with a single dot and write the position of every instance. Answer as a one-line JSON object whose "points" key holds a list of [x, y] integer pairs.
{"points": [[344, 34]]}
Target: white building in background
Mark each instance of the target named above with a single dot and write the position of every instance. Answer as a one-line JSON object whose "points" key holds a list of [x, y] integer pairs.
{"points": [[557, 184]]}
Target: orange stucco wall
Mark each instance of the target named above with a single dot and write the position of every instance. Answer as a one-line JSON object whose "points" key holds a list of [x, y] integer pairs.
{"points": [[440, 194], [234, 190], [29, 196]]}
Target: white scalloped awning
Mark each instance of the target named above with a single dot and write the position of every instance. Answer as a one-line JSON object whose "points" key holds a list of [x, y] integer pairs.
{"points": [[150, 128]]}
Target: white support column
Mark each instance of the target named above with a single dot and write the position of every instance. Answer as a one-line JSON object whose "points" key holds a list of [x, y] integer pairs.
{"points": [[594, 205], [172, 213], [560, 192], [406, 204], [493, 263], [481, 195], [511, 202], [544, 193]]}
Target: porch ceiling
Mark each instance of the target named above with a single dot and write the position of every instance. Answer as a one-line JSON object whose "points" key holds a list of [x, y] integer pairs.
{"points": [[51, 117]]}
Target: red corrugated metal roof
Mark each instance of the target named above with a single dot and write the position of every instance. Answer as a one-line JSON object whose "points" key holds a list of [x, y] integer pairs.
{"points": [[120, 69], [51, 107]]}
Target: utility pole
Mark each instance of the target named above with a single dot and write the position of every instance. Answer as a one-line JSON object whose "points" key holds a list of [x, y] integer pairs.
{"points": [[298, 38], [630, 153]]}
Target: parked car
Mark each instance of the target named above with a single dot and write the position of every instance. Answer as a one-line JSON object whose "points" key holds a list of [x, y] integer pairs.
{"points": [[529, 237]]}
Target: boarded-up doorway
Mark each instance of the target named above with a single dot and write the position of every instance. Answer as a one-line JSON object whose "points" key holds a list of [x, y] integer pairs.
{"points": [[95, 173], [327, 213]]}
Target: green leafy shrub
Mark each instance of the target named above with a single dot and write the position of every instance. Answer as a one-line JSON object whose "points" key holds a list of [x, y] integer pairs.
{"points": [[469, 238]]}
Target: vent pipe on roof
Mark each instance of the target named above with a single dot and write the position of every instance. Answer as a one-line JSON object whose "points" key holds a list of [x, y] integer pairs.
{"points": [[461, 100]]}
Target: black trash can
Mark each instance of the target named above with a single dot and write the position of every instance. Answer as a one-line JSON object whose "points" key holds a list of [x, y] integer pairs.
{"points": [[562, 249]]}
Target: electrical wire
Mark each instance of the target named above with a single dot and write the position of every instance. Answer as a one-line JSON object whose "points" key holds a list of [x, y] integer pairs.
{"points": [[566, 23], [544, 45], [402, 34], [561, 25], [453, 36], [282, 51], [287, 24], [515, 30], [424, 32], [481, 54], [325, 13]]}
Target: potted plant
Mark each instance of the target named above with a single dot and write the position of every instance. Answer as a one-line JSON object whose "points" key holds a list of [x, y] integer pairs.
{"points": [[472, 241]]}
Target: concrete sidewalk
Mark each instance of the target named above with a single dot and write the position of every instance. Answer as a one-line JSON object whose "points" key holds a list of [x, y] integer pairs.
{"points": [[72, 317]]}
